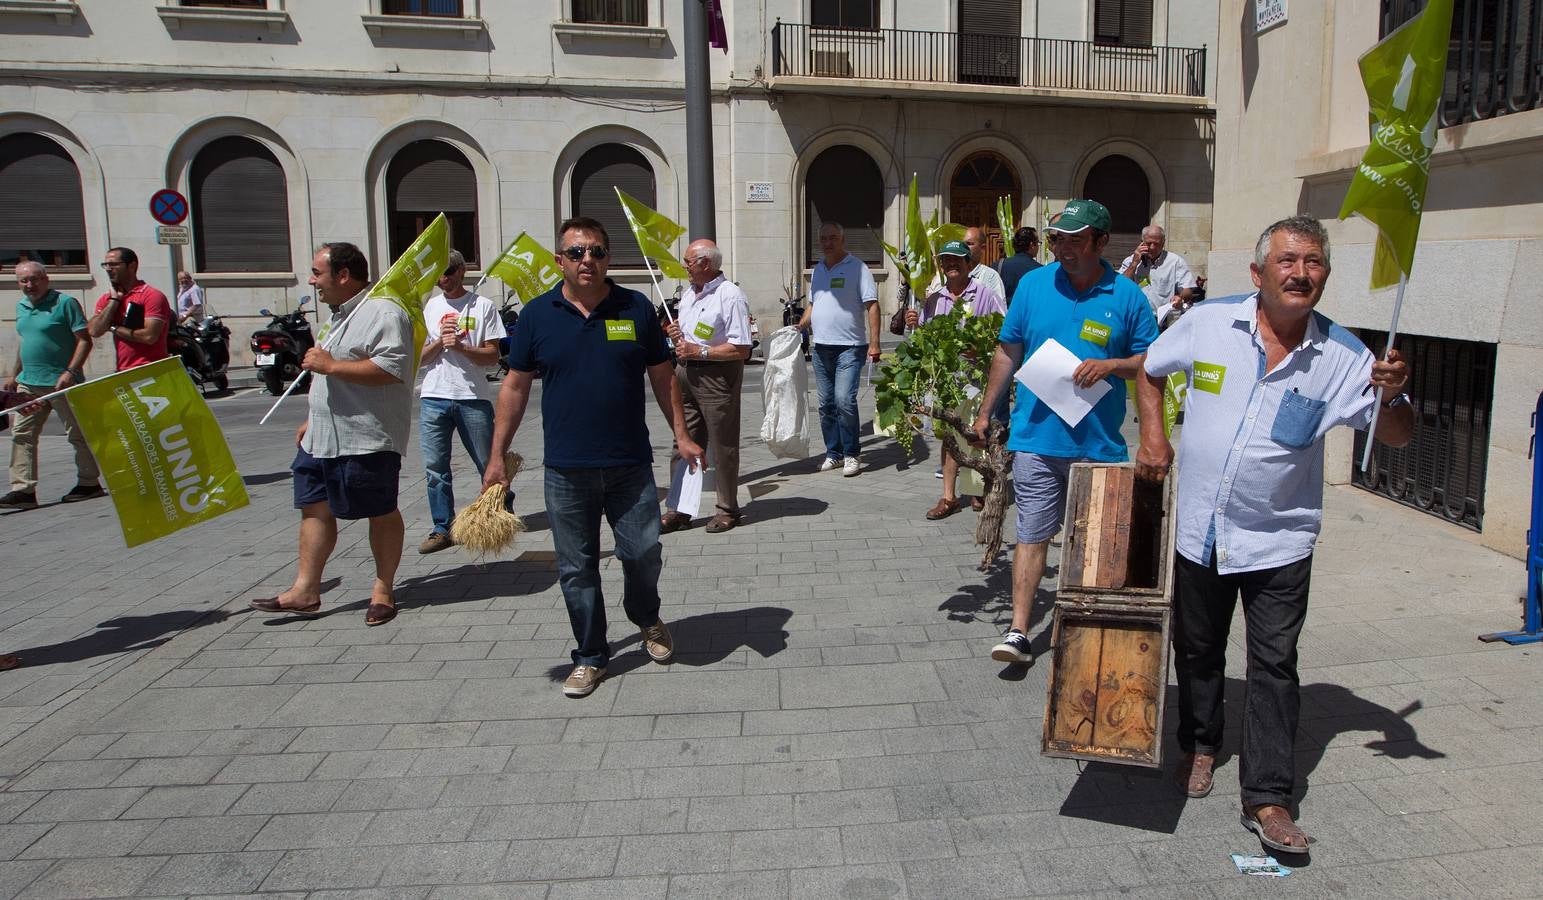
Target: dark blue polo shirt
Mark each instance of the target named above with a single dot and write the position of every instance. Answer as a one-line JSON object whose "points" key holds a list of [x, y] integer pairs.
{"points": [[593, 375]]}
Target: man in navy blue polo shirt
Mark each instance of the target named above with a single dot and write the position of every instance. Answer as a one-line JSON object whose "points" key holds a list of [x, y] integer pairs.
{"points": [[593, 341], [1079, 302]]}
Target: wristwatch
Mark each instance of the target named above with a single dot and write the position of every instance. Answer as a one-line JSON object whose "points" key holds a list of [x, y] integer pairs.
{"points": [[703, 354], [1395, 401]]}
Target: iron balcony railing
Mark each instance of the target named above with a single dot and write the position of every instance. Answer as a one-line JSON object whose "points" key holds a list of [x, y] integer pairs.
{"points": [[1494, 57], [610, 12], [943, 57]]}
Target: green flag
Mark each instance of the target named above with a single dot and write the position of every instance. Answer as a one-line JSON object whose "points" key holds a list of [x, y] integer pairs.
{"points": [[526, 268], [1007, 223], [413, 275], [1404, 74], [918, 268], [655, 233], [161, 451]]}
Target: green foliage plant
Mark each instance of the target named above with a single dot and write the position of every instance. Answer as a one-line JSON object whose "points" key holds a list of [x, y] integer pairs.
{"points": [[935, 382]]}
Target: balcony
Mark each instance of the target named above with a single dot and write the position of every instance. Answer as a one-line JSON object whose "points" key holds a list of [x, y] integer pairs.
{"points": [[951, 65]]}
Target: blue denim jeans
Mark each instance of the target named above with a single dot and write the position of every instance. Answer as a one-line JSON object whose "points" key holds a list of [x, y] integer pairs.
{"points": [[837, 370], [436, 419], [575, 501]]}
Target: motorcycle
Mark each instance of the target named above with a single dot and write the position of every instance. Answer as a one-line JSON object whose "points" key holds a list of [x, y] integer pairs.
{"points": [[278, 349], [205, 351], [509, 313], [792, 313]]}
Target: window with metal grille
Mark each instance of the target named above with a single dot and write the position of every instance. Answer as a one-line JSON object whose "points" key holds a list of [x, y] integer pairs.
{"points": [[240, 208], [862, 14], [1120, 184], [844, 185], [1442, 470], [1122, 23], [448, 8], [424, 179], [42, 217], [596, 176], [1494, 58], [611, 12]]}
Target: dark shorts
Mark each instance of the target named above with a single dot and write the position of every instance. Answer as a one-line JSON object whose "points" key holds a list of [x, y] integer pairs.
{"points": [[353, 487]]}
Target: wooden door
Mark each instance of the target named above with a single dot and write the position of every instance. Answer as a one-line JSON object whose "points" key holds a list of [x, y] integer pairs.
{"points": [[978, 183]]}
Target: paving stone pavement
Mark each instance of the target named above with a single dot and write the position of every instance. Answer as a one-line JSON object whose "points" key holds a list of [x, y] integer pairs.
{"points": [[831, 727]]}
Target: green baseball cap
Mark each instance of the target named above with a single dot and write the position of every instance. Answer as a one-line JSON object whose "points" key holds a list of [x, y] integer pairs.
{"points": [[1080, 215], [954, 248]]}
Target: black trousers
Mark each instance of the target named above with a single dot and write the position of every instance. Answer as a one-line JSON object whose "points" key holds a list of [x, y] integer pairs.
{"points": [[1274, 608]]}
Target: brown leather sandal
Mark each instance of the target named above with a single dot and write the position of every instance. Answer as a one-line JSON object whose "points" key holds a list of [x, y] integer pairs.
{"points": [[943, 510], [1194, 776], [1275, 828]]}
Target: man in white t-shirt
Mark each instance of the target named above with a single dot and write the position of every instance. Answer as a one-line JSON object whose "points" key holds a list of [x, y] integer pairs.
{"points": [[464, 330], [844, 309], [1162, 275]]}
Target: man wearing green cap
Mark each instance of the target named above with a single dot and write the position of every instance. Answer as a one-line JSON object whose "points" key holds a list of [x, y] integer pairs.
{"points": [[1078, 302]]}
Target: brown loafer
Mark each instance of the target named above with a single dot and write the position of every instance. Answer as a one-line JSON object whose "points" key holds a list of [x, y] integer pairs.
{"points": [[673, 521], [1194, 775], [379, 614], [1275, 828], [943, 510], [722, 522], [271, 605], [9, 661]]}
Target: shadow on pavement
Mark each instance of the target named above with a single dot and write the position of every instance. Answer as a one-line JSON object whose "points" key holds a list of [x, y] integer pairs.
{"points": [[991, 601], [266, 478], [700, 640], [1147, 798], [122, 635], [529, 573]]}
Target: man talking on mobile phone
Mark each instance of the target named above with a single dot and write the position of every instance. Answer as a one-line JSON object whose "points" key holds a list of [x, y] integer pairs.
{"points": [[135, 313]]}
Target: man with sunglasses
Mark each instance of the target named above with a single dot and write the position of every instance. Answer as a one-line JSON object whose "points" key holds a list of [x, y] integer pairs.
{"points": [[712, 342], [595, 343], [136, 313], [464, 330]]}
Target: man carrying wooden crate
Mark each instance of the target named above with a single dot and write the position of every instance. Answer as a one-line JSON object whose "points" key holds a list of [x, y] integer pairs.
{"points": [[1080, 303], [1268, 377]]}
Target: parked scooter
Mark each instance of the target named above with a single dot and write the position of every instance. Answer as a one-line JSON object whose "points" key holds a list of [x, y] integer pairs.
{"points": [[509, 313], [205, 351], [278, 349], [792, 313]]}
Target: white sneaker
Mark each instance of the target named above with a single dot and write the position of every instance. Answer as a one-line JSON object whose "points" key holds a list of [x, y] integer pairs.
{"points": [[851, 467], [830, 464]]}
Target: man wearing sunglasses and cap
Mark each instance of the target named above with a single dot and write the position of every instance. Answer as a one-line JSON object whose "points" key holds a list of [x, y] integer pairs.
{"points": [[1079, 302], [593, 342]]}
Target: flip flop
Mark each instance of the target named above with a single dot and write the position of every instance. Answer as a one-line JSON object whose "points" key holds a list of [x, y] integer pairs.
{"points": [[271, 605], [379, 614], [1275, 829], [9, 661]]}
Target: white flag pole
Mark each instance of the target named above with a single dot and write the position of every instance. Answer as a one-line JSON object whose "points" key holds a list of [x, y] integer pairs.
{"points": [[1371, 431], [332, 334]]}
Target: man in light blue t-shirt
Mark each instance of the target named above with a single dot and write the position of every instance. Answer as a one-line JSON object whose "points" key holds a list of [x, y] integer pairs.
{"points": [[1101, 317], [844, 308]]}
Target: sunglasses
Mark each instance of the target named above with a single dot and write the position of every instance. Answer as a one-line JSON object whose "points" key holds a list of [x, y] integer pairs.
{"points": [[576, 252]]}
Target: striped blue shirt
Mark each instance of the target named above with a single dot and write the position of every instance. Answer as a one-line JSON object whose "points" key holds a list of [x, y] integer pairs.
{"points": [[1250, 456]]}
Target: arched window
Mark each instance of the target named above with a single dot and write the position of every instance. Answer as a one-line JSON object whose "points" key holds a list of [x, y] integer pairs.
{"points": [[844, 185], [42, 217], [1120, 184], [240, 208], [424, 179], [979, 182], [596, 176]]}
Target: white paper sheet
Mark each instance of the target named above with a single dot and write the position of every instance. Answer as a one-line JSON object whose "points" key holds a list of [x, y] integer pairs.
{"points": [[685, 490], [1048, 373]]}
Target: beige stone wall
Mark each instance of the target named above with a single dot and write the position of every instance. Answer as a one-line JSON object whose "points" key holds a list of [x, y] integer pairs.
{"points": [[1291, 126]]}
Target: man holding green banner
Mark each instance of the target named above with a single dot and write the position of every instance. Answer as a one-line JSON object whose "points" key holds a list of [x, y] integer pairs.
{"points": [[351, 445]]}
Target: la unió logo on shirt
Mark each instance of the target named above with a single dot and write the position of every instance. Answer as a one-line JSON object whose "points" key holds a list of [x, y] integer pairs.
{"points": [[1209, 377], [621, 330]]}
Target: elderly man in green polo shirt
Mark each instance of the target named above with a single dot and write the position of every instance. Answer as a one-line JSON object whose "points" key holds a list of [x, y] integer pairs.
{"points": [[54, 342]]}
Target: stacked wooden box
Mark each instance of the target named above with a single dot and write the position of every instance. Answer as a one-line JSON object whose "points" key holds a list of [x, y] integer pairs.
{"points": [[1109, 664]]}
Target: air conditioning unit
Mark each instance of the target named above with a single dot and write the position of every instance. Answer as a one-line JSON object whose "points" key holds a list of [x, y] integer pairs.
{"points": [[831, 64]]}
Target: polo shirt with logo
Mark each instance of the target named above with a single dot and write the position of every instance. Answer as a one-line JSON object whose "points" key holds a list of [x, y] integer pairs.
{"points": [[717, 314], [839, 296], [593, 375], [1250, 457], [1110, 320], [47, 329]]}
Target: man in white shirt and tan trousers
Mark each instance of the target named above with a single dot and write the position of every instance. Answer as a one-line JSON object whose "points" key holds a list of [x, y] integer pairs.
{"points": [[712, 342]]}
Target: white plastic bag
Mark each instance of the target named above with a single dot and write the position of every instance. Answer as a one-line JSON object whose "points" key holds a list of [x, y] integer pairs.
{"points": [[785, 383]]}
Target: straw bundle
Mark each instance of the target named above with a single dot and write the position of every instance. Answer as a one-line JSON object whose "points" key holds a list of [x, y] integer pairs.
{"points": [[487, 526]]}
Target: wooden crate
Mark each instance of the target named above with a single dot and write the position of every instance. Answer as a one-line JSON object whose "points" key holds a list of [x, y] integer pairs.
{"points": [[1119, 535], [1108, 677]]}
